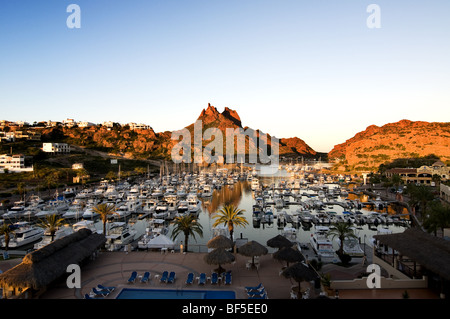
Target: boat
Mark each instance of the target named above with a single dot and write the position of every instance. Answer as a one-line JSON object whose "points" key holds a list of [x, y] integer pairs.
{"points": [[16, 211], [89, 213], [207, 191], [89, 224], [47, 238], [118, 235], [74, 212], [194, 204], [24, 234], [321, 244], [255, 184], [352, 247], [122, 212]]}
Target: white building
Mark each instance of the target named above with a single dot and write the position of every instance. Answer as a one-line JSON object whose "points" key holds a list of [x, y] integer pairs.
{"points": [[56, 148], [69, 123], [85, 124], [13, 163], [140, 126], [109, 124]]}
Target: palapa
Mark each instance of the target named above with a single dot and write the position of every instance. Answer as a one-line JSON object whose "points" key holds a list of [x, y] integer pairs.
{"points": [[288, 254], [300, 272], [252, 249], [220, 241], [279, 242], [219, 256], [41, 267]]}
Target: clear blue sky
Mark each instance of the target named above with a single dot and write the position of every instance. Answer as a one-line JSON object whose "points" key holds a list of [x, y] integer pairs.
{"points": [[311, 69]]}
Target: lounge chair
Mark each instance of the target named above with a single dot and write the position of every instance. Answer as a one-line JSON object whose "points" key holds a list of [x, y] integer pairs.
{"points": [[132, 277], [101, 287], [256, 293], [202, 279], [190, 278], [87, 296], [164, 276], [228, 278], [145, 277], [259, 287], [214, 278], [172, 277], [263, 296], [102, 293]]}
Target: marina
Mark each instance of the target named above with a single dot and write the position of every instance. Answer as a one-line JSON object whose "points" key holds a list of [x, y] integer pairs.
{"points": [[288, 204]]}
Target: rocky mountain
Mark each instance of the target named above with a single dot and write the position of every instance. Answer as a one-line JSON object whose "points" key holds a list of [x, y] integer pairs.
{"points": [[377, 145], [145, 144]]}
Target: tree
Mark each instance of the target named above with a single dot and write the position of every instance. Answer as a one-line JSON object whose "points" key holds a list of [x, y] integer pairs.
{"points": [[52, 222], [187, 225], [438, 217], [6, 230], [419, 195], [342, 230], [230, 216], [105, 210]]}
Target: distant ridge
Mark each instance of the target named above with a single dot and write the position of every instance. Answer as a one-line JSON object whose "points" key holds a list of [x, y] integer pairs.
{"points": [[377, 145]]}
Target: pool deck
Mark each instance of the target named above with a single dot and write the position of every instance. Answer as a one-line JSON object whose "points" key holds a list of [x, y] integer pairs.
{"points": [[114, 269]]}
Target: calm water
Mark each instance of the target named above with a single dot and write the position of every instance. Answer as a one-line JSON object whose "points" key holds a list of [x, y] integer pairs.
{"points": [[241, 195]]}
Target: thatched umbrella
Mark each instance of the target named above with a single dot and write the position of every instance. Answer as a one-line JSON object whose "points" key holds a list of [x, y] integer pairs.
{"points": [[220, 241], [219, 256], [279, 242], [252, 249], [288, 254], [300, 272]]}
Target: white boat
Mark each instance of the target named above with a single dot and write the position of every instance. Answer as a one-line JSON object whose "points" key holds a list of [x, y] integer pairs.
{"points": [[89, 213], [207, 191], [255, 184], [89, 224], [321, 244], [16, 211], [352, 247], [47, 238], [74, 212], [118, 235], [194, 204], [24, 234], [44, 213], [122, 212]]}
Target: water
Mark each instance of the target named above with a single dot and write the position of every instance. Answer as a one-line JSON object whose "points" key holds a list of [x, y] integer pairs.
{"points": [[129, 293], [241, 195]]}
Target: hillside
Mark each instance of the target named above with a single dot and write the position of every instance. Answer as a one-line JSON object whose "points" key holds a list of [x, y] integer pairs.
{"points": [[378, 145]]}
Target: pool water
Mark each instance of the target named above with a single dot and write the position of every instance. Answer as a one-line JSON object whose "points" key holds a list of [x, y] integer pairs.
{"points": [[128, 293]]}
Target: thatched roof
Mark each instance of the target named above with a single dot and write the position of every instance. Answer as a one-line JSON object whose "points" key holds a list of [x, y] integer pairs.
{"points": [[300, 272], [252, 248], [220, 241], [430, 251], [39, 268], [279, 241], [219, 256], [288, 254]]}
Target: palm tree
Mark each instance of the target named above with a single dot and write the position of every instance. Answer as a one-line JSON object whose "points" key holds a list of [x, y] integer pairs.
{"points": [[52, 222], [438, 217], [105, 210], [6, 230], [230, 216], [187, 225], [342, 230]]}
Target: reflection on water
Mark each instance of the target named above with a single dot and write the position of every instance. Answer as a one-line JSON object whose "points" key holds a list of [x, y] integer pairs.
{"points": [[241, 195]]}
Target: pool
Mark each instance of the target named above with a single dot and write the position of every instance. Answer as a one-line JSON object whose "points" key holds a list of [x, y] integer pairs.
{"points": [[129, 293]]}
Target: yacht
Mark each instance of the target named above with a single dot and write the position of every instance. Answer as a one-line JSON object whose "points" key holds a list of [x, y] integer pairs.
{"points": [[320, 243], [89, 224], [122, 212], [24, 234], [16, 211], [194, 204], [74, 212], [89, 213], [352, 247], [47, 238], [255, 184], [118, 235], [207, 191]]}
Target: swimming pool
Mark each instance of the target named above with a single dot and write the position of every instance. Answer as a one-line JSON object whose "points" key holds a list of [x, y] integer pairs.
{"points": [[130, 293]]}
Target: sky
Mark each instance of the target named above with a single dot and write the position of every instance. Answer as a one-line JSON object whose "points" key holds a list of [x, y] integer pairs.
{"points": [[311, 69]]}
